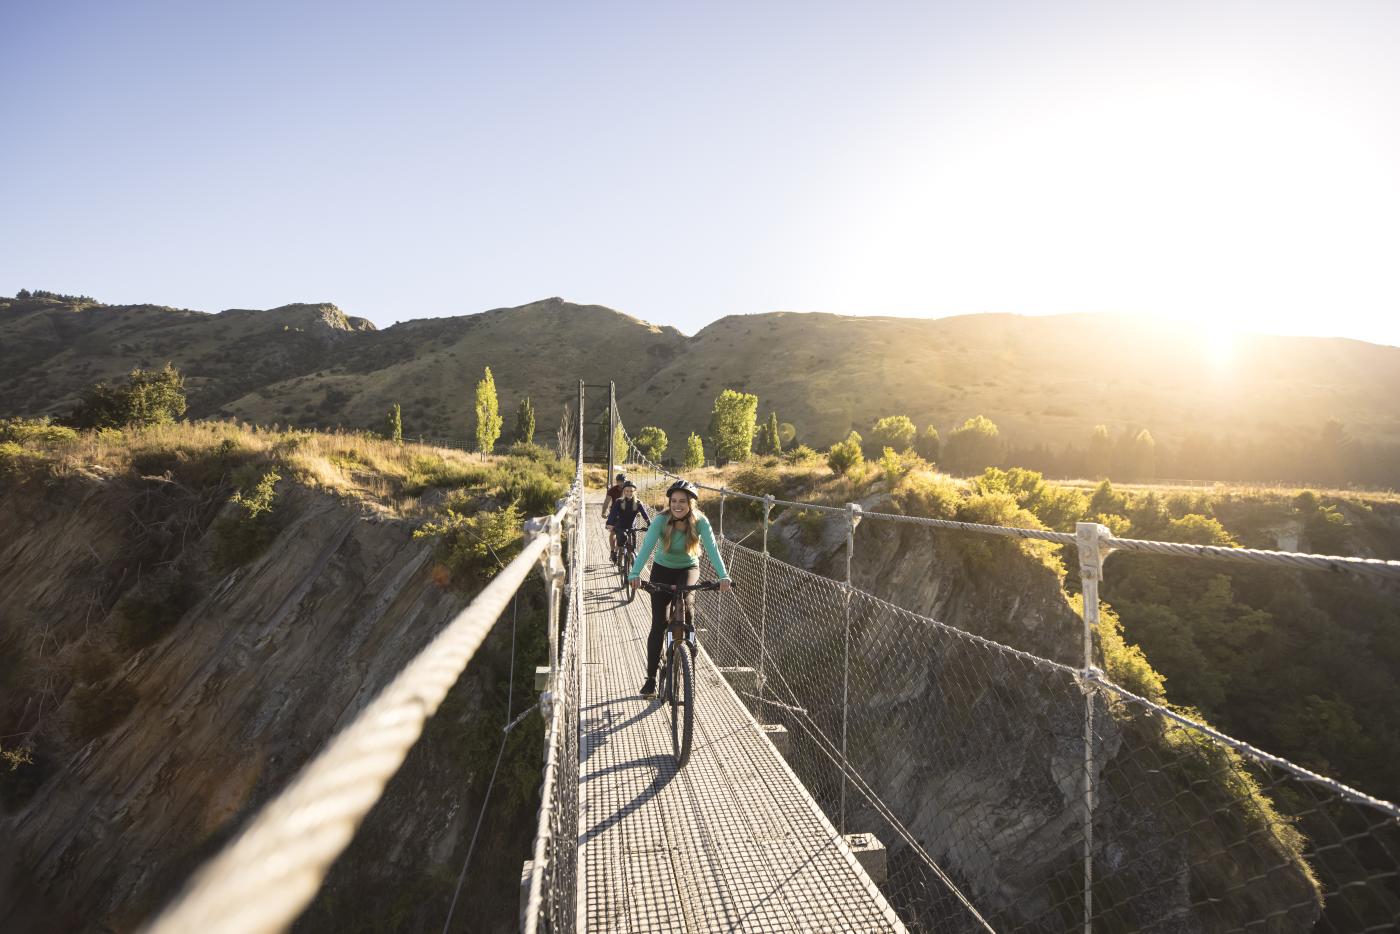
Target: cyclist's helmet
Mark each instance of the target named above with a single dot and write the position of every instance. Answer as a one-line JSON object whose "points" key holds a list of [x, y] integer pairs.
{"points": [[686, 487], [621, 477], [629, 485]]}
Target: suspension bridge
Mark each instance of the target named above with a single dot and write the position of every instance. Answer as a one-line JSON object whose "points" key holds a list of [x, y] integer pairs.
{"points": [[857, 766]]}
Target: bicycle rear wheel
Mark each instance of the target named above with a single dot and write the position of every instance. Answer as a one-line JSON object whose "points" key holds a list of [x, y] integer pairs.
{"points": [[682, 698]]}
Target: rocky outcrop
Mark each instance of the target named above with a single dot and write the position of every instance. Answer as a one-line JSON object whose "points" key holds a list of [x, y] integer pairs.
{"points": [[265, 665]]}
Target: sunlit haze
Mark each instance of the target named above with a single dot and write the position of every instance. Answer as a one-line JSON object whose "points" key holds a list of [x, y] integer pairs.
{"points": [[1233, 165]]}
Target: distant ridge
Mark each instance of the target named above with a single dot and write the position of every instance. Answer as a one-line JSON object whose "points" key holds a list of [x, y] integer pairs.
{"points": [[1043, 380]]}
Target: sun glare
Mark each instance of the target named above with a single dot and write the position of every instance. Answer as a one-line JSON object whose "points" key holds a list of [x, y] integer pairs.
{"points": [[1219, 347]]}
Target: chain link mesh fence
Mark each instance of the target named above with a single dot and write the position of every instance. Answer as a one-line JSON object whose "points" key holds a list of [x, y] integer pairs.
{"points": [[968, 760]]}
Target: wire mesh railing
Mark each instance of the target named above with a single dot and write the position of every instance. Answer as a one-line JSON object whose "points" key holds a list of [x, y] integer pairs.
{"points": [[1020, 793]]}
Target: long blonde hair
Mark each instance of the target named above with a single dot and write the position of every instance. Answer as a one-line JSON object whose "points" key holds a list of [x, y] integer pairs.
{"points": [[690, 524]]}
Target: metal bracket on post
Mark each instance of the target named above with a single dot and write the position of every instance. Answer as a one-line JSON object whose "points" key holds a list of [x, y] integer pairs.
{"points": [[1091, 540], [552, 568]]}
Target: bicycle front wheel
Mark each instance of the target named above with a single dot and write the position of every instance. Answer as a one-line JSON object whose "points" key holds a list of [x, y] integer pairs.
{"points": [[629, 593], [682, 697]]}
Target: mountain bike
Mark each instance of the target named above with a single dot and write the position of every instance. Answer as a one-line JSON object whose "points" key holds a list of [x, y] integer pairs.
{"points": [[676, 684], [625, 556]]}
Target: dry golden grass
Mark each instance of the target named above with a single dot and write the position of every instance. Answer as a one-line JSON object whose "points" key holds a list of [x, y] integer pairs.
{"points": [[389, 476]]}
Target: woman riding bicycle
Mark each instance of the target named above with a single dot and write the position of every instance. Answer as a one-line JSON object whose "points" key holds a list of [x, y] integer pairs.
{"points": [[684, 530], [624, 512]]}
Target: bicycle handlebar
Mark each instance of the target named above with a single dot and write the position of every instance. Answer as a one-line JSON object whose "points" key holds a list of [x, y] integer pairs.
{"points": [[679, 588]]}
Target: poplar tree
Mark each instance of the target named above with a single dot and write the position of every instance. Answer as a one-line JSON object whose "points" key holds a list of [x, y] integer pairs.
{"points": [[488, 414]]}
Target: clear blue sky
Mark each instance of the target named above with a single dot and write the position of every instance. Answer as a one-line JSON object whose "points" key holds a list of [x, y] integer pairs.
{"points": [[1236, 164]]}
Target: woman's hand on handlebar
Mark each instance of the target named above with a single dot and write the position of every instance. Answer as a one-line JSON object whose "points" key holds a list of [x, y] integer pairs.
{"points": [[725, 586], [636, 582]]}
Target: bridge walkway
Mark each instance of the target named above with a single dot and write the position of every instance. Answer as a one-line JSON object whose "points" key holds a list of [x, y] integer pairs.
{"points": [[732, 842]]}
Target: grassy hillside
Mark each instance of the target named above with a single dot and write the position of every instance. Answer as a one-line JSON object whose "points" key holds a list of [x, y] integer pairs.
{"points": [[1045, 381], [1042, 379]]}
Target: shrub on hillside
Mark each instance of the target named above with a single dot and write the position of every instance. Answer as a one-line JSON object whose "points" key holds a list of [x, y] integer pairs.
{"points": [[893, 431], [147, 398], [897, 464], [1199, 530], [802, 456], [845, 456], [928, 494], [473, 548], [34, 431], [250, 525]]}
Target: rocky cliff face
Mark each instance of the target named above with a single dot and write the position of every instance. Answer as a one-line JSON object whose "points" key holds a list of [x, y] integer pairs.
{"points": [[980, 752], [150, 758]]}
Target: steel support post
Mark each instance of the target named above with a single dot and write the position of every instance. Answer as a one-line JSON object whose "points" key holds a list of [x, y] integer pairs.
{"points": [[612, 430], [1091, 542], [763, 602], [852, 520]]}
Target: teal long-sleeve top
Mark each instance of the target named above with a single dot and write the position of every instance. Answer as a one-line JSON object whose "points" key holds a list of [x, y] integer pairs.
{"points": [[676, 557]]}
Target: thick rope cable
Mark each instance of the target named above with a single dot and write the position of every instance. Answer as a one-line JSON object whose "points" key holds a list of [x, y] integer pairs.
{"points": [[500, 753], [1298, 561], [272, 870]]}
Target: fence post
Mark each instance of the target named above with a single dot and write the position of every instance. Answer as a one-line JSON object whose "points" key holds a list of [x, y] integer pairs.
{"points": [[552, 568], [852, 520], [1089, 539], [722, 491], [763, 602]]}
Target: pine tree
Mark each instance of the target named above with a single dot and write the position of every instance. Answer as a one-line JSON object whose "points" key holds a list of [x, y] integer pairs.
{"points": [[488, 414]]}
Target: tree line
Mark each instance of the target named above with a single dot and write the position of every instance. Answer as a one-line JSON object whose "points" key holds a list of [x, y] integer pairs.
{"points": [[735, 433]]}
